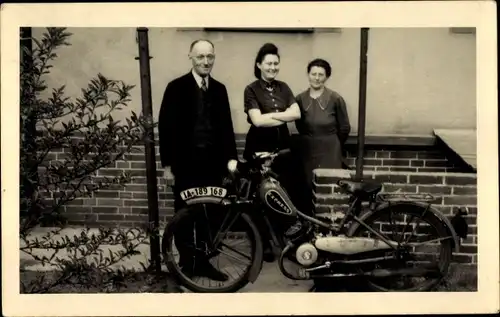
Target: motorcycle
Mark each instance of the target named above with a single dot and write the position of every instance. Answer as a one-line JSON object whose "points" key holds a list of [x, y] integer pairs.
{"points": [[253, 201]]}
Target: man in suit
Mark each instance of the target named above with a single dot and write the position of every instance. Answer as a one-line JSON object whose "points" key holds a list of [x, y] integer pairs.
{"points": [[197, 141]]}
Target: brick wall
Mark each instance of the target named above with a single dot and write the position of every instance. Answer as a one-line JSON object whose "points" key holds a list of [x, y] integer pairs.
{"points": [[424, 156], [449, 189], [407, 160], [116, 205]]}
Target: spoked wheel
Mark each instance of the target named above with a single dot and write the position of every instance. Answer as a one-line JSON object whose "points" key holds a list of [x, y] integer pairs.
{"points": [[424, 249], [219, 248]]}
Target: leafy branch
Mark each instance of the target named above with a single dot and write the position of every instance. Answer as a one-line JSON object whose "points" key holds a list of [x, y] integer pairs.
{"points": [[86, 137], [85, 262]]}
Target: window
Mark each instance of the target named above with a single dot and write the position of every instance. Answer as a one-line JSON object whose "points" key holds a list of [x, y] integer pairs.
{"points": [[282, 30], [261, 30], [463, 30]]}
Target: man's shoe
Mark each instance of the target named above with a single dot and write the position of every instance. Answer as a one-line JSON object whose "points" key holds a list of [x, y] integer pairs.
{"points": [[207, 270], [204, 270], [188, 271]]}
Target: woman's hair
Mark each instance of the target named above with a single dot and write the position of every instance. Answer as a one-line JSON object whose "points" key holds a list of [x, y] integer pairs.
{"points": [[318, 62], [268, 48]]}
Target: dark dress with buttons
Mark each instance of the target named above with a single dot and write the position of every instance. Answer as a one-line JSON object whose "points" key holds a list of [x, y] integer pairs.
{"points": [[267, 97], [323, 127]]}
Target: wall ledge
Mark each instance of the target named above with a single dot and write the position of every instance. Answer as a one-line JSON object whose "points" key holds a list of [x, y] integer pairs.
{"points": [[370, 139], [343, 173], [412, 140]]}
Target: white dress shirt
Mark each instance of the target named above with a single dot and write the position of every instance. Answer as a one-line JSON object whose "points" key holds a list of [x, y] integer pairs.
{"points": [[198, 79]]}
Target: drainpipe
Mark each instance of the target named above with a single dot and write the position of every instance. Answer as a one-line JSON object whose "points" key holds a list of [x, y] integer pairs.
{"points": [[29, 125], [147, 109], [363, 58], [26, 43]]}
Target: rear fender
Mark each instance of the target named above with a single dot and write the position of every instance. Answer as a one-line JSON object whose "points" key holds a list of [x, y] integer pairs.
{"points": [[421, 206], [448, 226]]}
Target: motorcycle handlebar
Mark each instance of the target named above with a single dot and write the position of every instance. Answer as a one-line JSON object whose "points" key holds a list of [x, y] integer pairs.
{"points": [[260, 162], [272, 155], [283, 152]]}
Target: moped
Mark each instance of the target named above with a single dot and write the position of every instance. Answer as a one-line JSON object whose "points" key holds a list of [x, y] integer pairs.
{"points": [[375, 240]]}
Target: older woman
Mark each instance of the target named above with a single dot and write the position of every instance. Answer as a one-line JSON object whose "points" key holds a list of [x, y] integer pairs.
{"points": [[324, 123], [270, 104]]}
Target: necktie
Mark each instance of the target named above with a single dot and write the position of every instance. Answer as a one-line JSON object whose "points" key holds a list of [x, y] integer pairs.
{"points": [[203, 84]]}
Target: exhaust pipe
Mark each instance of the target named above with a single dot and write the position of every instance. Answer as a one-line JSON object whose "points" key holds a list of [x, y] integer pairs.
{"points": [[412, 272], [382, 273]]}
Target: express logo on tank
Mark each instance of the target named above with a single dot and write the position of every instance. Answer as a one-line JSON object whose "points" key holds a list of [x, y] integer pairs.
{"points": [[276, 202]]}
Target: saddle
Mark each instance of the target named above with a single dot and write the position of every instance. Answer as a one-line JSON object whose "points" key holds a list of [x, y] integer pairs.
{"points": [[362, 189]]}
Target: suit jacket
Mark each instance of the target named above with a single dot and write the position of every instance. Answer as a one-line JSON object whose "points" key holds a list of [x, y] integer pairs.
{"points": [[177, 118]]}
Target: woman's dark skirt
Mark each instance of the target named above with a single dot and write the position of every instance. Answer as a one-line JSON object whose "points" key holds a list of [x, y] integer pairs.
{"points": [[266, 140], [287, 167], [323, 151]]}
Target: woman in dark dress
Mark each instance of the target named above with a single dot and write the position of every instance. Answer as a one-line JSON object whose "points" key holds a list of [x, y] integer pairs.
{"points": [[269, 105], [324, 123]]}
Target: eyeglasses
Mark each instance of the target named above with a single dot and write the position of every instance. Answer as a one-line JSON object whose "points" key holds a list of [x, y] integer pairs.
{"points": [[209, 57]]}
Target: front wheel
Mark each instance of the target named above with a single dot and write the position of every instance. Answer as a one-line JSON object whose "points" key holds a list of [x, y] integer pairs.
{"points": [[215, 236], [424, 243]]}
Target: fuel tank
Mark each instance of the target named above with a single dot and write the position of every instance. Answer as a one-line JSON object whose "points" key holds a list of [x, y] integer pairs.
{"points": [[276, 198], [349, 246]]}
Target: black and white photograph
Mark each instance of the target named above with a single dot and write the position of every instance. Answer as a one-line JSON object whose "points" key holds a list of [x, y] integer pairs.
{"points": [[245, 165]]}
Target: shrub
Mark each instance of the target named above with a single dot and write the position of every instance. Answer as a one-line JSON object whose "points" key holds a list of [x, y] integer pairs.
{"points": [[91, 139]]}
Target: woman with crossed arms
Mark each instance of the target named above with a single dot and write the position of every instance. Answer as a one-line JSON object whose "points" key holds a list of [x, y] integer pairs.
{"points": [[269, 104]]}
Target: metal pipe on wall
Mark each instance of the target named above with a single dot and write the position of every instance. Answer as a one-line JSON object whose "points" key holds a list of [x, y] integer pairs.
{"points": [[363, 60], [147, 109], [26, 43], [28, 125]]}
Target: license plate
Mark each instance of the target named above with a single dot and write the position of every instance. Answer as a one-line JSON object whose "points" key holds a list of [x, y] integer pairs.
{"points": [[208, 191]]}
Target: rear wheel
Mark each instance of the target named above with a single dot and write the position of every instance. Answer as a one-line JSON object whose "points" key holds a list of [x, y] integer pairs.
{"points": [[423, 243], [231, 238]]}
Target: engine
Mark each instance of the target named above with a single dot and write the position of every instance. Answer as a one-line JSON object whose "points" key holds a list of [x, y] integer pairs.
{"points": [[306, 254], [350, 245]]}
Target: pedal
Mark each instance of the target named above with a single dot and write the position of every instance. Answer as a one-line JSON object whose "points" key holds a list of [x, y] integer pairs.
{"points": [[324, 266]]}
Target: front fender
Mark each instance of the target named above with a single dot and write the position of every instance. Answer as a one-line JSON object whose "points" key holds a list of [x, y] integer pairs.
{"points": [[256, 267], [208, 200], [421, 206]]}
